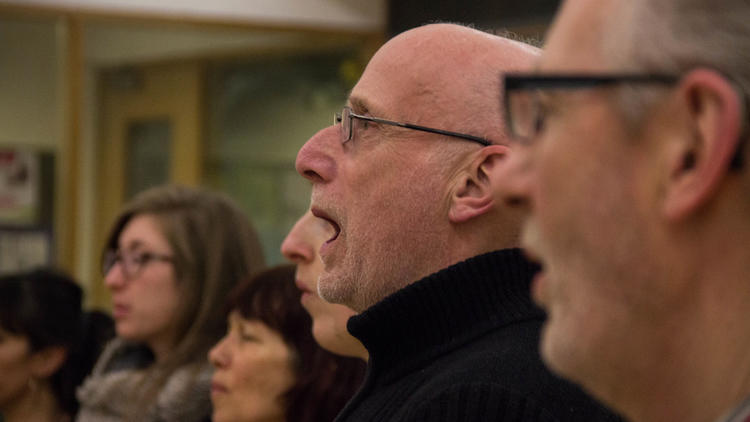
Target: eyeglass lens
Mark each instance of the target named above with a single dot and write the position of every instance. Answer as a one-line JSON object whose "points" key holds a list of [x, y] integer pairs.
{"points": [[109, 261], [345, 119], [129, 265], [522, 110], [346, 125]]}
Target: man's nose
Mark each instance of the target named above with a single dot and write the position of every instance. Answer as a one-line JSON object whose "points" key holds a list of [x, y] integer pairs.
{"points": [[517, 178], [316, 159]]}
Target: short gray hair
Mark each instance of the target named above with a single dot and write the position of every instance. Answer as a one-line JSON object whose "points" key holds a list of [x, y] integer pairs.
{"points": [[674, 36]]}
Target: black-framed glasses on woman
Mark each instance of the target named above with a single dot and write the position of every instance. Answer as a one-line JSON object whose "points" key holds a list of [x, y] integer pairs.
{"points": [[347, 115], [525, 111], [131, 263]]}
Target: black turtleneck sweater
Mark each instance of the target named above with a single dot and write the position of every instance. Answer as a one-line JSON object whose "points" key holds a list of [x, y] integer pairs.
{"points": [[462, 345]]}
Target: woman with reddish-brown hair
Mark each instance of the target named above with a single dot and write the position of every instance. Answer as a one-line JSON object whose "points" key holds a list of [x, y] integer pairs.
{"points": [[268, 366]]}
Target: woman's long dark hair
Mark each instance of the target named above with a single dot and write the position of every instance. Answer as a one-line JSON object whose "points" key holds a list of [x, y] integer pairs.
{"points": [[324, 381], [45, 307]]}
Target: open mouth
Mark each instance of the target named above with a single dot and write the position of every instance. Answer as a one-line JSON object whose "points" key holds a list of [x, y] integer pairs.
{"points": [[537, 283], [532, 256], [535, 259], [217, 387], [119, 310], [323, 215]]}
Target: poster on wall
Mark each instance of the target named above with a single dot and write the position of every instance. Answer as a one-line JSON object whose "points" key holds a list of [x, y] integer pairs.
{"points": [[19, 186]]}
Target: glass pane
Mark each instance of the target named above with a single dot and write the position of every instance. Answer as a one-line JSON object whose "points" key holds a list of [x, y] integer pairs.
{"points": [[148, 145], [260, 114]]}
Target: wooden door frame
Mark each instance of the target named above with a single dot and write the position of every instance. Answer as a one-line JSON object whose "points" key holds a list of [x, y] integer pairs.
{"points": [[174, 91]]}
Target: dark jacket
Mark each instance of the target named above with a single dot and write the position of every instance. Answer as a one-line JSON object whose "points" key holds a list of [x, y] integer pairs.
{"points": [[462, 345]]}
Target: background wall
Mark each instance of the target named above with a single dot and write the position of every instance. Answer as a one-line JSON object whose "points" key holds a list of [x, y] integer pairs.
{"points": [[54, 57], [273, 71], [29, 104]]}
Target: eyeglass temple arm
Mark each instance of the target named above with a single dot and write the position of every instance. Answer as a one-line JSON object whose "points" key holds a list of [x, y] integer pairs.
{"points": [[426, 129]]}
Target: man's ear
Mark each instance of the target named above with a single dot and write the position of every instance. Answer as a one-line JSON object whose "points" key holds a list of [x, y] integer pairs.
{"points": [[714, 112], [47, 361], [473, 193]]}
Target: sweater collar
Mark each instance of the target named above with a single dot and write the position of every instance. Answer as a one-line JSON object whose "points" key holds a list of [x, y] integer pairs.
{"points": [[448, 308]]}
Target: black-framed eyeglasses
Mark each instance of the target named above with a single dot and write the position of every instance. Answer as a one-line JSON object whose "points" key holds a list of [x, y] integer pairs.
{"points": [[524, 111], [346, 116], [525, 114], [131, 264]]}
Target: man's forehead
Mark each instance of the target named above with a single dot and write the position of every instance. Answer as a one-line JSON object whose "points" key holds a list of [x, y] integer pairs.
{"points": [[380, 94]]}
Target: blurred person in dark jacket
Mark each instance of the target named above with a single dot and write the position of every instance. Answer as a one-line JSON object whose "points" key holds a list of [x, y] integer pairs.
{"points": [[48, 344]]}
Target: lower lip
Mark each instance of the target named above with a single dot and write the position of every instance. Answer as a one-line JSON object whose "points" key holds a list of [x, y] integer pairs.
{"points": [[119, 311], [537, 286], [218, 389]]}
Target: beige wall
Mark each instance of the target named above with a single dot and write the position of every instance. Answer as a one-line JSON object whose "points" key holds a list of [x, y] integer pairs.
{"points": [[36, 108], [29, 91]]}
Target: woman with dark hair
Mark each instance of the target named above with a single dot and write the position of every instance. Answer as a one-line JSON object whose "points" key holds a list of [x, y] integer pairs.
{"points": [[171, 259], [268, 366], [48, 344]]}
